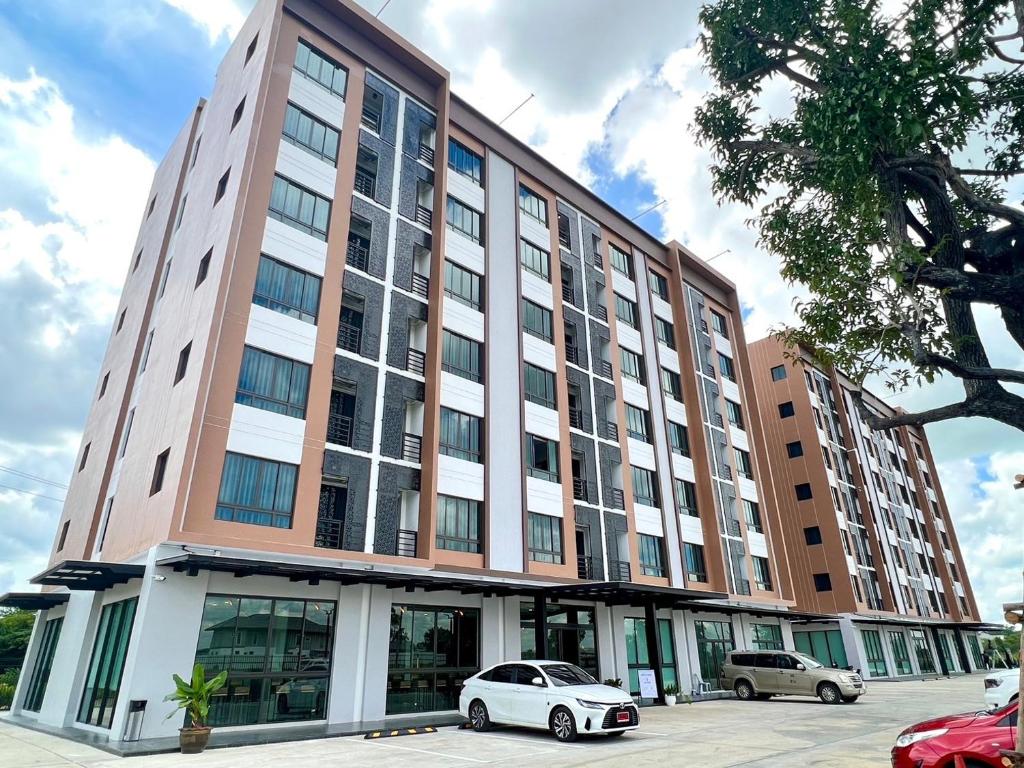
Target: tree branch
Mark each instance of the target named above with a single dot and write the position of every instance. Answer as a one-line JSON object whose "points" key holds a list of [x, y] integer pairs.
{"points": [[970, 286], [905, 419], [774, 148], [969, 371], [760, 72]]}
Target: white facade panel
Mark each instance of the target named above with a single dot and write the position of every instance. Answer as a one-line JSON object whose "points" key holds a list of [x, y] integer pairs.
{"points": [[539, 352], [541, 421], [739, 438], [532, 230], [316, 100], [641, 454], [256, 432], [537, 290], [293, 247], [464, 252], [635, 394], [623, 286], [691, 529], [305, 169], [747, 488], [662, 308], [723, 344], [629, 338], [463, 320], [544, 497], [456, 477], [675, 411], [682, 468], [466, 191], [648, 520], [757, 544], [669, 358], [731, 390], [462, 394], [283, 335]]}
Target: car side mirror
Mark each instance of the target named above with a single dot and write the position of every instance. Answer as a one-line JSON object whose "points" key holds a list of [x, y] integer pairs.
{"points": [[801, 668], [539, 682]]}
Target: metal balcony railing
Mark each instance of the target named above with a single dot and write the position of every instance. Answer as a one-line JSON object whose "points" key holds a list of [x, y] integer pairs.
{"points": [[349, 337], [743, 587], [727, 472], [366, 184], [585, 567], [572, 353], [703, 326], [598, 260], [420, 284], [339, 429], [576, 418], [618, 570], [357, 254], [613, 430], [416, 361], [412, 447], [329, 533], [424, 215], [606, 369], [616, 500], [579, 489], [406, 544], [601, 312], [370, 118], [568, 294], [732, 527], [716, 419], [427, 154]]}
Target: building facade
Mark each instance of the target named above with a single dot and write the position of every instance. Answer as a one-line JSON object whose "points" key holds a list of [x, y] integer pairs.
{"points": [[869, 536], [388, 399]]}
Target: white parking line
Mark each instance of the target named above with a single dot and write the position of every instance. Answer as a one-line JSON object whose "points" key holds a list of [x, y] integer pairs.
{"points": [[382, 744], [527, 739]]}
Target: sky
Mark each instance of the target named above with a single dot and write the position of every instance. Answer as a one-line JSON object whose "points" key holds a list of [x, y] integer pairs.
{"points": [[91, 95]]}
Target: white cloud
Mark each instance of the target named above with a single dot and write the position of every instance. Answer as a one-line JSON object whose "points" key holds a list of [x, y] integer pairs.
{"points": [[215, 17]]}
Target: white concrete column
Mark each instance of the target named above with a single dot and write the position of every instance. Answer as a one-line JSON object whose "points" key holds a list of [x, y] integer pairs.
{"points": [[492, 631], [378, 640], [513, 644], [348, 656], [853, 645], [606, 666], [29, 663], [71, 660], [739, 631], [787, 635], [682, 651], [617, 632], [691, 648]]}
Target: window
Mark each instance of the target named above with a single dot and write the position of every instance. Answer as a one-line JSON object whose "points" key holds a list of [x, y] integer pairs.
{"points": [[638, 423], [626, 311], [181, 213], [752, 514], [300, 208], [235, 118], [372, 115], [786, 410], [256, 491], [695, 568], [743, 464], [367, 166], [671, 384], [204, 268], [159, 470], [539, 386], [152, 207], [898, 643], [273, 383], [462, 218], [767, 637], [103, 385], [822, 582], [462, 159], [795, 449], [650, 555], [222, 186], [632, 365], [719, 324], [622, 262], [735, 414], [63, 535], [285, 289], [138, 260], [163, 279], [458, 524], [680, 438], [533, 204], [686, 498], [195, 152], [779, 373], [120, 321], [103, 681], [725, 365], [127, 433], [145, 351], [44, 663], [460, 435], [182, 369], [541, 458], [645, 486], [535, 260], [812, 535], [545, 538], [360, 237], [277, 654], [665, 332], [321, 69], [762, 574], [564, 237], [537, 321], [251, 49], [803, 491], [310, 134], [461, 356], [462, 285], [873, 652], [659, 284]]}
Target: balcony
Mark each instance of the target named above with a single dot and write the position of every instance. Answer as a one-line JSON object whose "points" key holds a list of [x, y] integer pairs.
{"points": [[732, 527], [416, 361], [579, 489], [703, 326], [572, 354], [616, 500], [329, 533], [420, 284], [598, 260], [618, 570], [606, 369], [613, 430], [601, 312], [716, 419], [426, 154], [349, 337], [365, 183], [339, 429], [727, 472], [412, 447], [568, 294], [576, 418], [406, 543], [743, 587], [424, 215], [357, 254], [585, 567]]}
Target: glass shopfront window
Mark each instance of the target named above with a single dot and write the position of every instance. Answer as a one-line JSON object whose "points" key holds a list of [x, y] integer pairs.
{"points": [[571, 635], [638, 654], [923, 651], [432, 650], [714, 640], [767, 637], [103, 682], [277, 653], [824, 645]]}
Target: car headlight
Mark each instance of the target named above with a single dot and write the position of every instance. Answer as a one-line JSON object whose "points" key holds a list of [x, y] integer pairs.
{"points": [[912, 738], [590, 704]]}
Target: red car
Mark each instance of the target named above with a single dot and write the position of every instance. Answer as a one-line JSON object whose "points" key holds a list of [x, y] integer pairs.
{"points": [[977, 737]]}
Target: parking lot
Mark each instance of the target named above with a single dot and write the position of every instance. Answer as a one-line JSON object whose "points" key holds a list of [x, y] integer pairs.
{"points": [[781, 732]]}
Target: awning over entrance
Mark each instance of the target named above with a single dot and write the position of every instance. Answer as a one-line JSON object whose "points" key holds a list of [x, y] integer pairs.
{"points": [[33, 601], [917, 621], [757, 611], [89, 575]]}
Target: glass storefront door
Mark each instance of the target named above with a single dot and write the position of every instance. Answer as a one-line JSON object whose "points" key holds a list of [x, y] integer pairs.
{"points": [[714, 640], [571, 636], [638, 656], [824, 645], [923, 651]]}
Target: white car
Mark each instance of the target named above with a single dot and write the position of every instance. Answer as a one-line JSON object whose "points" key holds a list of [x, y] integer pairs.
{"points": [[553, 695], [1001, 687]]}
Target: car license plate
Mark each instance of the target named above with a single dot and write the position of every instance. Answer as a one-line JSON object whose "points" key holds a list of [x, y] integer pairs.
{"points": [[622, 717]]}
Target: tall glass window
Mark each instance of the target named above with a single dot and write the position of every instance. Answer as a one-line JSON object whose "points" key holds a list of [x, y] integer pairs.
{"points": [[571, 635], [873, 652], [460, 435], [462, 285], [825, 646], [44, 663], [431, 652], [277, 653], [462, 218], [638, 655], [311, 134], [622, 262], [537, 320], [923, 650], [273, 383], [545, 538], [762, 574], [285, 289], [714, 641], [458, 524], [539, 386], [533, 204], [680, 438], [638, 423], [632, 365], [686, 498], [109, 649], [320, 68], [645, 486], [542, 458], [300, 208], [626, 311], [767, 637], [461, 356], [256, 491], [462, 159], [535, 260], [900, 654], [696, 569], [651, 559]]}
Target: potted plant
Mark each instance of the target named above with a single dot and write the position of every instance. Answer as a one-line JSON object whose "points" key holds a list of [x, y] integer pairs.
{"points": [[671, 691], [194, 698], [614, 682]]}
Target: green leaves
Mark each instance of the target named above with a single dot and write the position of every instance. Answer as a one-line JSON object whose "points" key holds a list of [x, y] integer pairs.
{"points": [[194, 697]]}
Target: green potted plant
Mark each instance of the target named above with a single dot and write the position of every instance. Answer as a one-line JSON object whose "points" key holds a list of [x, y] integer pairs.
{"points": [[194, 698], [614, 682], [671, 691]]}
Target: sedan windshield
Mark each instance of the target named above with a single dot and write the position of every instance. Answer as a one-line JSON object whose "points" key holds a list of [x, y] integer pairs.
{"points": [[567, 674]]}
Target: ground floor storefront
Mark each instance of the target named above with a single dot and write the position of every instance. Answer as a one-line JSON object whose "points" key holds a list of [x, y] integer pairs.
{"points": [[364, 647]]}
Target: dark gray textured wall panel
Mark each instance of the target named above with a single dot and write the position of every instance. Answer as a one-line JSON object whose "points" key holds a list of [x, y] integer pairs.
{"points": [[581, 380], [398, 390], [403, 309], [416, 118], [590, 519], [590, 231], [412, 173], [379, 235], [389, 110], [365, 379], [585, 446], [407, 239], [600, 337], [391, 481], [595, 290], [579, 323], [385, 165], [611, 456], [356, 470], [372, 295]]}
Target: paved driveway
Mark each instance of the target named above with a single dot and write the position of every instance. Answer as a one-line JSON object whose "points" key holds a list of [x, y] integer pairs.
{"points": [[781, 732]]}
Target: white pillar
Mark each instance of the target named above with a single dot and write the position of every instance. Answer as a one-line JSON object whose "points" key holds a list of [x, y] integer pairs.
{"points": [[71, 660], [682, 651], [348, 656], [492, 631], [513, 643], [617, 631], [787, 635], [378, 640], [855, 655], [606, 665]]}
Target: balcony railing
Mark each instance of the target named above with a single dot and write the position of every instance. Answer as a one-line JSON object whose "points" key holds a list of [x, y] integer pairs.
{"points": [[743, 587], [339, 429], [576, 418], [365, 183], [572, 353], [598, 260], [370, 118], [568, 294], [617, 500], [601, 312], [420, 284], [412, 447], [585, 567], [329, 533], [406, 544], [357, 254], [732, 527], [716, 419], [618, 570], [427, 154], [727, 472], [613, 430], [579, 489], [424, 215], [704, 326], [606, 369], [416, 361], [349, 337]]}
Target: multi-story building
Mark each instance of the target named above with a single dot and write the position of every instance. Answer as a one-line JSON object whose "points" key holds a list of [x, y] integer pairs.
{"points": [[869, 536]]}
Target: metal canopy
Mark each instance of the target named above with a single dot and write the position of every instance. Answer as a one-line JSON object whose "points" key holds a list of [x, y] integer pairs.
{"points": [[908, 621], [89, 575], [757, 611], [631, 593], [33, 601]]}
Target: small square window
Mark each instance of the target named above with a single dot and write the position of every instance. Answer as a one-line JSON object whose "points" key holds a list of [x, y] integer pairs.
{"points": [[138, 260], [152, 207], [204, 267], [251, 49], [222, 186], [778, 373], [812, 535], [786, 409], [158, 472], [795, 449], [822, 582], [803, 491], [238, 113], [120, 321], [103, 385], [85, 457], [63, 535], [182, 368]]}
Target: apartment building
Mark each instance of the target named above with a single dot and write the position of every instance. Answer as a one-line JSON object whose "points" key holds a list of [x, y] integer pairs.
{"points": [[869, 536]]}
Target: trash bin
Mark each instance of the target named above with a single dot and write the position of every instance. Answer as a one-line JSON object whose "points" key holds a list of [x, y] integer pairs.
{"points": [[133, 723]]}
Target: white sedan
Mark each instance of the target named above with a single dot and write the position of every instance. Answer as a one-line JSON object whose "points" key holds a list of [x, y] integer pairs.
{"points": [[553, 695], [1001, 687]]}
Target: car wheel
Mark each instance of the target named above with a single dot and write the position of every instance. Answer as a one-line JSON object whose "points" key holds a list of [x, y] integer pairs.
{"points": [[478, 716], [763, 696], [744, 690], [829, 693], [563, 725], [850, 699]]}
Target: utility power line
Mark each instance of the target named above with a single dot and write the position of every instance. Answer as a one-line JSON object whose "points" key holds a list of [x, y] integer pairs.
{"points": [[27, 476], [30, 493]]}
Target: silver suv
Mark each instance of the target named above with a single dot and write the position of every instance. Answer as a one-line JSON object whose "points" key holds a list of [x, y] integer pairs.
{"points": [[763, 674]]}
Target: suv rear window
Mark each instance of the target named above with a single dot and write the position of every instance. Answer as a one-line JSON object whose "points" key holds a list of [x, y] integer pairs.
{"points": [[743, 659]]}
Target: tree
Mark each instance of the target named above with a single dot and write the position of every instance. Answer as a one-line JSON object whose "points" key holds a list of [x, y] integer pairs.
{"points": [[15, 631], [866, 186]]}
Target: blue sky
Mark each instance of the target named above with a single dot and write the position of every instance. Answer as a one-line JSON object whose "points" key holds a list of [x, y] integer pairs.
{"points": [[91, 94]]}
